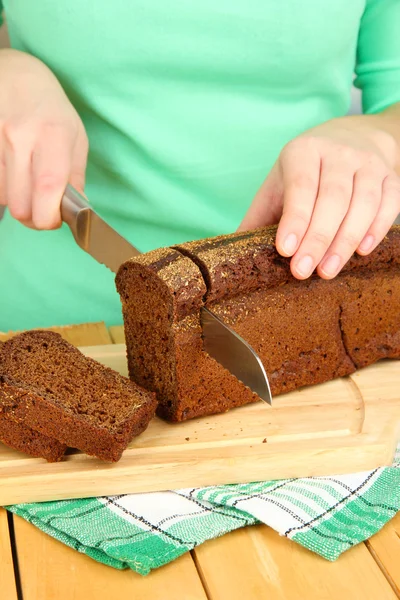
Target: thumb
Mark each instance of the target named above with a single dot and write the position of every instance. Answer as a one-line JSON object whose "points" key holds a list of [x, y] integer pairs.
{"points": [[266, 208]]}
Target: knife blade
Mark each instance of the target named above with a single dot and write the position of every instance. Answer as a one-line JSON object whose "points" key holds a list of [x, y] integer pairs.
{"points": [[108, 247]]}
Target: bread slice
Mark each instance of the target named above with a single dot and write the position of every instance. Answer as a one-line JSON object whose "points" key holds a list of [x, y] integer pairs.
{"points": [[305, 332], [17, 435], [60, 393], [22, 438]]}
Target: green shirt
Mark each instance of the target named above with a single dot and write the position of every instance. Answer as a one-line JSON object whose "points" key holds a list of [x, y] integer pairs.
{"points": [[187, 106]]}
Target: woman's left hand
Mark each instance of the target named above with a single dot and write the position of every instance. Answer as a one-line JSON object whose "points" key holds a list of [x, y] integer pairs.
{"points": [[334, 191]]}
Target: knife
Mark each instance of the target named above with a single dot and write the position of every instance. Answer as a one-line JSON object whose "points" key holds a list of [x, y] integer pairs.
{"points": [[106, 246]]}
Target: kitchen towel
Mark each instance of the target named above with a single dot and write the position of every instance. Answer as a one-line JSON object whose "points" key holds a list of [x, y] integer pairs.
{"points": [[327, 515]]}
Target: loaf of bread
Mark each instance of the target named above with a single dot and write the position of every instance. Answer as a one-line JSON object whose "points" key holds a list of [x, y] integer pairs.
{"points": [[49, 389], [305, 332]]}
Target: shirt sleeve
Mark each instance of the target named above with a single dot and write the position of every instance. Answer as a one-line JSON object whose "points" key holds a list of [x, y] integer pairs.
{"points": [[1, 13], [378, 55]]}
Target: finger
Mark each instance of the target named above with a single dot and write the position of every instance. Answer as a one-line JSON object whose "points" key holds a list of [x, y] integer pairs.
{"points": [[300, 163], [387, 214], [365, 202], [266, 206], [17, 161], [332, 204], [30, 224], [79, 162], [51, 168]]}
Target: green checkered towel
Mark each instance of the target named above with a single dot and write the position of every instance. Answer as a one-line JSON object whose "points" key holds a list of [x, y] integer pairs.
{"points": [[327, 515]]}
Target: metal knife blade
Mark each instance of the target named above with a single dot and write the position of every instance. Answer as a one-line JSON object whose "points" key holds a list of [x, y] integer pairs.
{"points": [[93, 234], [235, 354], [106, 246]]}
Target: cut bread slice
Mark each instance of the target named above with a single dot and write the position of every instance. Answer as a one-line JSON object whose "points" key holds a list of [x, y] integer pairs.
{"points": [[22, 438], [49, 386]]}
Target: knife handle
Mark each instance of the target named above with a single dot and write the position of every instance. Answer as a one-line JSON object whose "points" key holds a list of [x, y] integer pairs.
{"points": [[71, 205]]}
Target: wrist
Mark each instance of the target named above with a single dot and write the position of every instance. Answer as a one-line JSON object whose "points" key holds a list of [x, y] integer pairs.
{"points": [[389, 121], [383, 129]]}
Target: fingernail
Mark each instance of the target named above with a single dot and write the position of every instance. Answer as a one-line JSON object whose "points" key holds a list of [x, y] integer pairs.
{"points": [[367, 243], [290, 244], [305, 266], [331, 266]]}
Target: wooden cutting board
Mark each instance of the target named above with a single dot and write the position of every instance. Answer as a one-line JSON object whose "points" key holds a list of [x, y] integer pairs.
{"points": [[343, 426]]}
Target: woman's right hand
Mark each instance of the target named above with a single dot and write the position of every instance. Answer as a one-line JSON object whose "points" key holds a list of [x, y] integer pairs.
{"points": [[43, 144]]}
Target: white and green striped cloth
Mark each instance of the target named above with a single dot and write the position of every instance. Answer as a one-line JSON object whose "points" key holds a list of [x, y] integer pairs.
{"points": [[327, 515]]}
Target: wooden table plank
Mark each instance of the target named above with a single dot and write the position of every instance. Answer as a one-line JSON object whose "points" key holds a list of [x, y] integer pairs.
{"points": [[7, 581], [49, 569], [257, 563], [385, 548], [117, 334], [87, 334]]}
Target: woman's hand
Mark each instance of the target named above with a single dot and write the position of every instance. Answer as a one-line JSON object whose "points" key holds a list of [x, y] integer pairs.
{"points": [[334, 190], [43, 144]]}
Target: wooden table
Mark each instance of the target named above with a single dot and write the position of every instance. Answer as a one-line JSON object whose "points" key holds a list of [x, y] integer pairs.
{"points": [[251, 564]]}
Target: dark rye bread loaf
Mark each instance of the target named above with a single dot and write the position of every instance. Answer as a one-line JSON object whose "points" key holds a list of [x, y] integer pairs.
{"points": [[305, 332], [52, 388]]}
